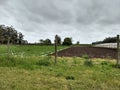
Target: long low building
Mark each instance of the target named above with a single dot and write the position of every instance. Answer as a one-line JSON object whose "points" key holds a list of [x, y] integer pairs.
{"points": [[106, 45]]}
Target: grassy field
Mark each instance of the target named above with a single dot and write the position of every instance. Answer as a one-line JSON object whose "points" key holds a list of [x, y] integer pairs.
{"points": [[35, 71], [28, 50]]}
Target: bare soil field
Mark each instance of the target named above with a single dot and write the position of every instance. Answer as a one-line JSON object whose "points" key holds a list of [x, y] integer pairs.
{"points": [[92, 52]]}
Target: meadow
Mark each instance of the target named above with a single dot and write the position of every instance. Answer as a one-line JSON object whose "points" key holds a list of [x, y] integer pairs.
{"points": [[31, 68], [28, 50]]}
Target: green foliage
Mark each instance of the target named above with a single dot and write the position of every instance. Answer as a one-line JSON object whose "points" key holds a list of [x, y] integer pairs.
{"points": [[59, 74], [88, 61], [28, 50], [22, 72], [64, 77], [58, 38], [116, 66], [70, 78], [9, 34], [74, 60], [64, 61], [67, 41], [86, 57], [77, 43], [45, 42], [44, 62], [15, 62], [104, 63], [4, 62], [107, 40]]}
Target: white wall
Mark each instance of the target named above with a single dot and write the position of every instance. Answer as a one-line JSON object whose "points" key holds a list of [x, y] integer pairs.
{"points": [[107, 45]]}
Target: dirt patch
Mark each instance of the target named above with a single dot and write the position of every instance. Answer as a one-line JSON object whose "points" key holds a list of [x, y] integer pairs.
{"points": [[92, 52]]}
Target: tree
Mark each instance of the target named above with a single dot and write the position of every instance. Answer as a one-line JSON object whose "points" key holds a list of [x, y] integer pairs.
{"points": [[77, 43], [106, 40], [58, 40], [1, 34], [67, 41], [20, 38], [41, 41], [47, 42], [10, 35]]}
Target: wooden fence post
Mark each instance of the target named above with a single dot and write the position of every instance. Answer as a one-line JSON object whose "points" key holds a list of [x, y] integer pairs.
{"points": [[55, 49], [118, 49]]}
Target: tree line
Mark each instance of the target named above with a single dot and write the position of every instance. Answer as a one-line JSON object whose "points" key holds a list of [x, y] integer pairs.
{"points": [[67, 41], [106, 40], [8, 34]]}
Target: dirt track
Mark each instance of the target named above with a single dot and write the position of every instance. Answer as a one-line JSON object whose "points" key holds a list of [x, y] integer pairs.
{"points": [[92, 52]]}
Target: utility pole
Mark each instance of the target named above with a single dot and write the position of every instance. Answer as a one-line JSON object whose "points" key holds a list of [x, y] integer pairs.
{"points": [[118, 49], [56, 48]]}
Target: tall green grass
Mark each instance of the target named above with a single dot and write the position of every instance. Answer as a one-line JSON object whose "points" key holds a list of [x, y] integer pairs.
{"points": [[23, 50], [40, 73]]}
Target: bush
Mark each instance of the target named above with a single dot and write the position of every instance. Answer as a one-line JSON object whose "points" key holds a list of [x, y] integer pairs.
{"points": [[70, 78]]}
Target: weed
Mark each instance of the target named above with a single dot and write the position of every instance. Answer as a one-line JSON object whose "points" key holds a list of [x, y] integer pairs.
{"points": [[44, 62], [85, 56], [63, 61], [70, 78], [116, 66], [104, 63], [74, 60], [88, 61], [59, 74]]}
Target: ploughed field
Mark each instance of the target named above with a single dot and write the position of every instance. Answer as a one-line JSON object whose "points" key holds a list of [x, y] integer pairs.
{"points": [[92, 52]]}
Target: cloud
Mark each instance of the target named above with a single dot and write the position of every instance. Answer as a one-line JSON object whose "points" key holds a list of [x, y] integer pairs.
{"points": [[84, 20]]}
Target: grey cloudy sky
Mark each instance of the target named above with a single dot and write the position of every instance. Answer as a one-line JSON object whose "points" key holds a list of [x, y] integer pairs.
{"points": [[83, 20]]}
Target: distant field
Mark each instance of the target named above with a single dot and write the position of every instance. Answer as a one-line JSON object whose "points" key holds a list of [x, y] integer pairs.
{"points": [[29, 49]]}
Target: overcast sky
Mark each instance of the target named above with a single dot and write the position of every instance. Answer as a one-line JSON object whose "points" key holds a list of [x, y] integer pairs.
{"points": [[83, 20]]}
